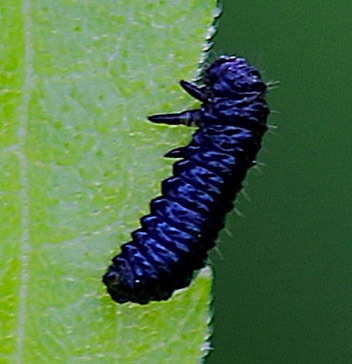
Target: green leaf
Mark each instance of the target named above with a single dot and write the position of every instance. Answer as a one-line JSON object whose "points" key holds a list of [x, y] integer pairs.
{"points": [[79, 165]]}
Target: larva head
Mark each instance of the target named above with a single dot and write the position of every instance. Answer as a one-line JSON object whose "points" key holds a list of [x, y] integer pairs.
{"points": [[233, 77], [119, 280]]}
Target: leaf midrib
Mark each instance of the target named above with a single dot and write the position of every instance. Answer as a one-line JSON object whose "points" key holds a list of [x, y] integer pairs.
{"points": [[25, 243]]}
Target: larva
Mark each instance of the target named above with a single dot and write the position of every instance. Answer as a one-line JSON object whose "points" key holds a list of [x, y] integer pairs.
{"points": [[184, 222]]}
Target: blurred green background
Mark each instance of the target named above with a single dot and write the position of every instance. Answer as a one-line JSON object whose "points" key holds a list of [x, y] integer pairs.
{"points": [[283, 291]]}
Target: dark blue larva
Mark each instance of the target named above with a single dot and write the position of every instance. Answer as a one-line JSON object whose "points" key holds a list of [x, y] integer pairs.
{"points": [[185, 220]]}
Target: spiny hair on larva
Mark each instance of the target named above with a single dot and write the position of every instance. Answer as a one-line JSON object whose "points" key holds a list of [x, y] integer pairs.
{"points": [[183, 224]]}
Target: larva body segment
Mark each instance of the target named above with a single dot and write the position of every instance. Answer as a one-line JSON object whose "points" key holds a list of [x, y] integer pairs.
{"points": [[174, 239]]}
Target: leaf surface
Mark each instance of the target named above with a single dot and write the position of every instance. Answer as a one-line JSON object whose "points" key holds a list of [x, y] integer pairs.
{"points": [[79, 165]]}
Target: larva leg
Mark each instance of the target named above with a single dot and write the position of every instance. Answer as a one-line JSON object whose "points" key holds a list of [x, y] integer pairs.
{"points": [[188, 118], [176, 153], [194, 90]]}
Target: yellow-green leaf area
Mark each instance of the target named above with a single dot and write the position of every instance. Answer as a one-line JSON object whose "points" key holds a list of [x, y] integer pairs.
{"points": [[79, 164]]}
